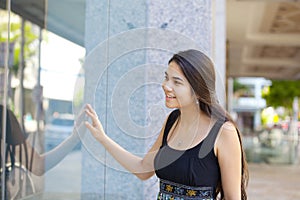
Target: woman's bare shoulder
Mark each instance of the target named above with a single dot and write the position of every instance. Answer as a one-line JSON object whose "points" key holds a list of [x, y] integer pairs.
{"points": [[228, 134]]}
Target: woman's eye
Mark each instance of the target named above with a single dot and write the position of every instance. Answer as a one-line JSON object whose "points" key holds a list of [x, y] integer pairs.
{"points": [[177, 82]]}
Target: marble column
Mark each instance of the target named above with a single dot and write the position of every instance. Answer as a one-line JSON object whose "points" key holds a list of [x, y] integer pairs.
{"points": [[128, 45]]}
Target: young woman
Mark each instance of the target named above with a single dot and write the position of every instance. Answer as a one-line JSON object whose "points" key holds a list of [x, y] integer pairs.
{"points": [[198, 153]]}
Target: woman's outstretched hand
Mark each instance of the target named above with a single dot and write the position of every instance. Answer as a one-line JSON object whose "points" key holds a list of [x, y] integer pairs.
{"points": [[95, 126]]}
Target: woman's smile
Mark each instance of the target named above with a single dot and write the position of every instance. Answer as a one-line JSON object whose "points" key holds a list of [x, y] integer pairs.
{"points": [[170, 97]]}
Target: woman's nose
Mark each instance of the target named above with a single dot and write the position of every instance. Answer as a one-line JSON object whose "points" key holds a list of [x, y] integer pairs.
{"points": [[166, 87]]}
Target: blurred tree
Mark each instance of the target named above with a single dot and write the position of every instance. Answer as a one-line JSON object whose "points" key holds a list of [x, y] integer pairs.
{"points": [[26, 33], [282, 93], [241, 90], [238, 86], [31, 39]]}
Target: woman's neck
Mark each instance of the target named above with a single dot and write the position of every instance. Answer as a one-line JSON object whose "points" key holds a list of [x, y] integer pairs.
{"points": [[189, 115]]}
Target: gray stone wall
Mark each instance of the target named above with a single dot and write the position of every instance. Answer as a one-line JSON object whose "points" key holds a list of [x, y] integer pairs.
{"points": [[128, 45]]}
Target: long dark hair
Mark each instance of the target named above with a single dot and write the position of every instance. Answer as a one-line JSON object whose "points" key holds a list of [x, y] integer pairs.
{"points": [[199, 71]]}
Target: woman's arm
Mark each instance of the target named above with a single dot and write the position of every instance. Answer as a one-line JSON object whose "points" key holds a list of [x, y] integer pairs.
{"points": [[228, 151], [143, 168]]}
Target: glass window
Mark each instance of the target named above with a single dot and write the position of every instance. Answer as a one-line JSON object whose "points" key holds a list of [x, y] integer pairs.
{"points": [[43, 154]]}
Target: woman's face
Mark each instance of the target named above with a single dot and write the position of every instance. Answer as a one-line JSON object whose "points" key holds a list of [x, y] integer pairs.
{"points": [[178, 91]]}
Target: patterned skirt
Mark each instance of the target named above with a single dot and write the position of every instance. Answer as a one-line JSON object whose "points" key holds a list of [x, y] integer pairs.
{"points": [[173, 191]]}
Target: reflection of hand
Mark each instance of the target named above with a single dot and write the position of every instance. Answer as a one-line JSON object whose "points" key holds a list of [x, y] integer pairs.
{"points": [[79, 124], [96, 127], [82, 117]]}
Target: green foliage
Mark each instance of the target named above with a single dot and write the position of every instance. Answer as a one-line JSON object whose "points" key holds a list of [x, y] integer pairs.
{"points": [[15, 31], [282, 93], [31, 39], [238, 86], [241, 90]]}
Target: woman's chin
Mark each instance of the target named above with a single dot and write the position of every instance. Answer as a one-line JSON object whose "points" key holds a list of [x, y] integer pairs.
{"points": [[171, 106]]}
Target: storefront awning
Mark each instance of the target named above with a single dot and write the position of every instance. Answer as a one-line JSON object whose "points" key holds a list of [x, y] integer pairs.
{"points": [[65, 18]]}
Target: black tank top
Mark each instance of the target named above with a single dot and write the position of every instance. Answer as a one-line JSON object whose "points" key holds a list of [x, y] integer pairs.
{"points": [[197, 166]]}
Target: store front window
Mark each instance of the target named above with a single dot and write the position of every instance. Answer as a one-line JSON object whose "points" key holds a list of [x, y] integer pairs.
{"points": [[41, 62]]}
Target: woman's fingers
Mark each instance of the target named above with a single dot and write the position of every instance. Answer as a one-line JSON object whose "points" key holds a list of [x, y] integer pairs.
{"points": [[97, 132], [94, 117], [95, 126], [91, 110], [89, 126]]}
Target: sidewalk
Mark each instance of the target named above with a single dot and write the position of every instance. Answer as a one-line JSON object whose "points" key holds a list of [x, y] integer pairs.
{"points": [[267, 182], [274, 182]]}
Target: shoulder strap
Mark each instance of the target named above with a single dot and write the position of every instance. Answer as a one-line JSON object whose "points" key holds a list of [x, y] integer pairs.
{"points": [[209, 142], [170, 121]]}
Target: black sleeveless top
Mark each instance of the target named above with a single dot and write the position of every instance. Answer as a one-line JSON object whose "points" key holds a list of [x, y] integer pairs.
{"points": [[197, 166]]}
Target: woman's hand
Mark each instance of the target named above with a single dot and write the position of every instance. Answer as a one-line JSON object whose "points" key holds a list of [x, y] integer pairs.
{"points": [[96, 127]]}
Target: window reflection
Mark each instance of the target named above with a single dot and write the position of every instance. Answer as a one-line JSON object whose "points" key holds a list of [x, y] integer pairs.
{"points": [[36, 143]]}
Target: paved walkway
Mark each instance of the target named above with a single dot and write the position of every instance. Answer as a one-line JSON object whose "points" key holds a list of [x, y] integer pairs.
{"points": [[267, 182], [274, 182]]}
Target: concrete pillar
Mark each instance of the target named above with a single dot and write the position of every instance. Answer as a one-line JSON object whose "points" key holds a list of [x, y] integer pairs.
{"points": [[219, 47], [128, 45]]}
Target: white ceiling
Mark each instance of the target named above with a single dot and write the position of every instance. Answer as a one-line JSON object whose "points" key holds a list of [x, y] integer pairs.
{"points": [[263, 38]]}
